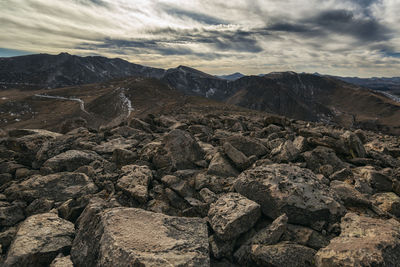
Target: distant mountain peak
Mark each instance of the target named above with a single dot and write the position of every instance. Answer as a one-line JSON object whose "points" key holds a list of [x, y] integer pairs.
{"points": [[232, 77]]}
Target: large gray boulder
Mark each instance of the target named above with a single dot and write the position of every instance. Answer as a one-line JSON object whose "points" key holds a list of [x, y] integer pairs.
{"points": [[58, 187], [220, 166], [363, 241], [232, 214], [248, 146], [135, 237], [71, 160], [323, 156], [10, 214], [135, 182], [283, 188], [182, 149], [40, 238]]}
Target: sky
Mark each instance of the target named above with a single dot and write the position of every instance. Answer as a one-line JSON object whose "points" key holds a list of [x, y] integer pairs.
{"points": [[337, 37]]}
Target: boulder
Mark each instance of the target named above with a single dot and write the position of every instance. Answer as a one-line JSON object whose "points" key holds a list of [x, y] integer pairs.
{"points": [[232, 214], [283, 188], [62, 262], [270, 235], [354, 144], [10, 214], [248, 146], [377, 180], [182, 149], [220, 166], [389, 202], [40, 238], [135, 182], [117, 143], [349, 195], [286, 152], [134, 237], [238, 158], [363, 241], [305, 236], [58, 187], [322, 156], [283, 254], [71, 160]]}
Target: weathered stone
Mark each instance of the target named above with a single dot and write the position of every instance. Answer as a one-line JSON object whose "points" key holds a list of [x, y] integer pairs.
{"points": [[285, 153], [136, 181], [220, 166], [363, 242], [389, 202], [342, 175], [322, 156], [57, 187], [134, 237], [248, 146], [208, 196], [40, 238], [62, 262], [238, 158], [113, 144], [7, 237], [71, 160], [349, 195], [267, 236], [40, 205], [232, 215], [300, 143], [221, 248], [354, 144], [305, 236], [10, 214], [123, 157], [182, 149], [283, 188], [283, 254], [377, 180]]}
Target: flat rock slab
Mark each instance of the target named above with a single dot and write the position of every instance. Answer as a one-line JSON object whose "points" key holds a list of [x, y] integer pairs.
{"points": [[284, 188], [57, 187], [39, 239], [135, 237], [363, 241], [71, 160], [232, 214]]}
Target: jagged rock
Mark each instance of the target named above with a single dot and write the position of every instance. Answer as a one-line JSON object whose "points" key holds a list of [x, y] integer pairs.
{"points": [[39, 205], [300, 143], [283, 188], [238, 158], [27, 143], [10, 214], [322, 156], [354, 144], [276, 119], [40, 238], [113, 144], [221, 248], [57, 187], [182, 149], [232, 215], [7, 237], [389, 202], [285, 153], [267, 236], [135, 182], [128, 236], [342, 175], [349, 195], [208, 196], [283, 254], [62, 262], [248, 146], [123, 157], [304, 236], [376, 180], [363, 241], [71, 160], [178, 185], [220, 166]]}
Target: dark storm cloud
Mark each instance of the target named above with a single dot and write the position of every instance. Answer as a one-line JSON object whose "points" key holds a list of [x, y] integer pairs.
{"points": [[165, 41], [186, 14], [343, 22], [364, 3]]}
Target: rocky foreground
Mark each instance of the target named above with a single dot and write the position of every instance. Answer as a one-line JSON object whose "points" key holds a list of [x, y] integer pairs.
{"points": [[200, 190]]}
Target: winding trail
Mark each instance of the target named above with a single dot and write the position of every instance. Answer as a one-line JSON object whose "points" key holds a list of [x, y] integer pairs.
{"points": [[80, 101]]}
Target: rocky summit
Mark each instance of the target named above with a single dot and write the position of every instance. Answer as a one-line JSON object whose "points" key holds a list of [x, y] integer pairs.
{"points": [[200, 187]]}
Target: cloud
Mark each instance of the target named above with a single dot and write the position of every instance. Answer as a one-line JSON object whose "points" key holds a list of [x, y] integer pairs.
{"points": [[360, 37]]}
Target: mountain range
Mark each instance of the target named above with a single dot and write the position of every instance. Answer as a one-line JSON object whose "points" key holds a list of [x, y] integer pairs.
{"points": [[298, 96]]}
